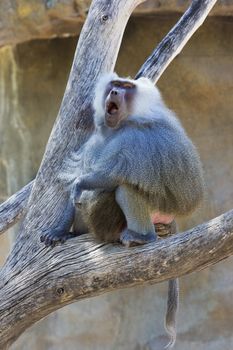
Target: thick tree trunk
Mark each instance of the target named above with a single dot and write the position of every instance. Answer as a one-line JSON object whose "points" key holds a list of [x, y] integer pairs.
{"points": [[96, 54], [153, 68], [82, 268], [35, 280]]}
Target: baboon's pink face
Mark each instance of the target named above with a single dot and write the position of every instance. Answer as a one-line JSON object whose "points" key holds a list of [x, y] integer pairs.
{"points": [[118, 99]]}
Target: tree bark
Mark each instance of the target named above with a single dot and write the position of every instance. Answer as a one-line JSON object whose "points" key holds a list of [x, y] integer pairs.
{"points": [[83, 268], [12, 209], [176, 39], [96, 54], [36, 280], [153, 68]]}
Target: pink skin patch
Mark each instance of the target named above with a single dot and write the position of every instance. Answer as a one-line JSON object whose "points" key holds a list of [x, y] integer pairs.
{"points": [[158, 218]]}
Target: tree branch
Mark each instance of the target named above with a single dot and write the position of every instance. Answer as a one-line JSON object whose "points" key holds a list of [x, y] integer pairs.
{"points": [[96, 54], [35, 280], [56, 277], [105, 24], [13, 208], [153, 68], [176, 39]]}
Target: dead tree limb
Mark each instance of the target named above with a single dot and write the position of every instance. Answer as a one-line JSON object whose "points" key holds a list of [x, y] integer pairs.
{"points": [[176, 39], [153, 68], [82, 268], [13, 208], [36, 281]]}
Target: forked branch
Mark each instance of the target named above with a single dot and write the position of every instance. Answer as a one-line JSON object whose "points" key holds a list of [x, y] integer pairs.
{"points": [[153, 68], [176, 39], [35, 280]]}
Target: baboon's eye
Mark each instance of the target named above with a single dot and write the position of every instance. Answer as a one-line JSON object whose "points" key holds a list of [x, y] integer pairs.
{"points": [[116, 83], [123, 84], [128, 85]]}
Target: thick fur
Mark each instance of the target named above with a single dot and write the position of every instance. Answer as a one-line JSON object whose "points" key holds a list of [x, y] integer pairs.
{"points": [[151, 158], [101, 215], [150, 151]]}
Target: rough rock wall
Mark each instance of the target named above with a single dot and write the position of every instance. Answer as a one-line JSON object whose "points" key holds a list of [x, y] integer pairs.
{"points": [[198, 86], [23, 20]]}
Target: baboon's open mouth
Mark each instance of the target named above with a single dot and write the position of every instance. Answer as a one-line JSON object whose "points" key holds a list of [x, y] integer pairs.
{"points": [[112, 108]]}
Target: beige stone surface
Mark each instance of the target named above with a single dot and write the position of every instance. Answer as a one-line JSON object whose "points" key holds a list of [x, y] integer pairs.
{"points": [[198, 86], [24, 20]]}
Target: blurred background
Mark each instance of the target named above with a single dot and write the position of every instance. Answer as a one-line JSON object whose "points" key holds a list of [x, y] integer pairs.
{"points": [[37, 43]]}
